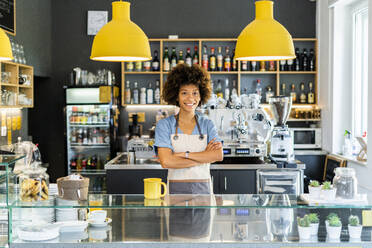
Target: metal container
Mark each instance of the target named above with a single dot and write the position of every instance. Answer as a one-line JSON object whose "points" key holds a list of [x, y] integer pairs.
{"points": [[281, 107]]}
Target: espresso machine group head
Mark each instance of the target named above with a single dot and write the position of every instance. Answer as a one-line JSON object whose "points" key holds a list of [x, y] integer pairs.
{"points": [[281, 139]]}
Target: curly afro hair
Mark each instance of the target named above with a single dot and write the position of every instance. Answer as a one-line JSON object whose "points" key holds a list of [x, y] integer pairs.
{"points": [[183, 74]]}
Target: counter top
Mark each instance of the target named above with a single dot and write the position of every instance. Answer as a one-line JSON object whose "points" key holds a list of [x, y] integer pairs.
{"points": [[213, 166], [310, 152]]}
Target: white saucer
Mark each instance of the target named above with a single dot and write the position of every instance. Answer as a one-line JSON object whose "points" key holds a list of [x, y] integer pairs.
{"points": [[100, 224], [72, 226]]}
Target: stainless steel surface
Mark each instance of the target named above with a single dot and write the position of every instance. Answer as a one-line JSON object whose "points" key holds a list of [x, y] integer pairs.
{"points": [[244, 149], [213, 166], [281, 107], [280, 181]]}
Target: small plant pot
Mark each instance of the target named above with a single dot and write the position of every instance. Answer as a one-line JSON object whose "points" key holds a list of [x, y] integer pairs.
{"points": [[334, 232], [304, 232], [314, 191], [328, 194], [314, 229], [355, 232]]}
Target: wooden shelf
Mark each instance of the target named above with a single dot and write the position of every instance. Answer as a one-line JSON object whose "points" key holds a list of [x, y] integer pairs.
{"points": [[276, 83], [258, 72], [9, 85], [143, 72], [25, 86], [290, 119], [297, 72]]}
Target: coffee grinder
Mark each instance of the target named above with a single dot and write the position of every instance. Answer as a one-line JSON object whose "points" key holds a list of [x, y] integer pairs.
{"points": [[281, 138]]}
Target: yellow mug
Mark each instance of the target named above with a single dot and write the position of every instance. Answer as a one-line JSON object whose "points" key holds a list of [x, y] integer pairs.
{"points": [[152, 188]]}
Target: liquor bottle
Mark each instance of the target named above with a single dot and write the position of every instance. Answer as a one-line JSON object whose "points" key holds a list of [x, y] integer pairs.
{"points": [[73, 134], [253, 65], [127, 93], [73, 164], [147, 65], [219, 59], [296, 64], [293, 94], [289, 65], [310, 95], [234, 91], [262, 66], [302, 95], [259, 88], [227, 60], [130, 66], [85, 136], [227, 89], [143, 96], [157, 92], [234, 64], [138, 66], [283, 93], [180, 58], [269, 93], [244, 66], [135, 93], [188, 57], [271, 65], [212, 60], [205, 59], [195, 57], [312, 60], [166, 60], [305, 61], [219, 89], [173, 58], [155, 65], [150, 95], [282, 65]]}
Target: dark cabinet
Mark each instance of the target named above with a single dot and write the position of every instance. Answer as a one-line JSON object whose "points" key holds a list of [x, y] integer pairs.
{"points": [[130, 181], [234, 181], [314, 166]]}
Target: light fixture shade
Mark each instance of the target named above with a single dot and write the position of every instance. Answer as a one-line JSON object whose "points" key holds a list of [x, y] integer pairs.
{"points": [[264, 38], [120, 39], [5, 47]]}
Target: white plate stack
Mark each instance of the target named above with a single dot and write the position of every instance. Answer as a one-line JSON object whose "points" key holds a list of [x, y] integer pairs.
{"points": [[66, 214]]}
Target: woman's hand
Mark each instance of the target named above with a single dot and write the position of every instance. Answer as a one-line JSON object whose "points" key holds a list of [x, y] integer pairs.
{"points": [[212, 146]]}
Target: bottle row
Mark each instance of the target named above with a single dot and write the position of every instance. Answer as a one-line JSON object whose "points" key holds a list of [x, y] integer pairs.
{"points": [[89, 136], [222, 62], [80, 77], [84, 115], [304, 97], [148, 95], [83, 162], [313, 113]]}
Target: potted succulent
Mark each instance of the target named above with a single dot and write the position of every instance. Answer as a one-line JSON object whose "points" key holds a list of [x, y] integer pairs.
{"points": [[304, 229], [355, 228], [314, 223], [314, 189], [328, 191], [333, 226]]}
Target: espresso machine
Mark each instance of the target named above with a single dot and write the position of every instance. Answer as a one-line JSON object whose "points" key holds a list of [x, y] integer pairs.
{"points": [[281, 148], [244, 128]]}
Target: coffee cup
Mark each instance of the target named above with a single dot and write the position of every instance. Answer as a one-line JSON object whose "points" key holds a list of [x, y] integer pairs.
{"points": [[98, 216], [152, 188]]}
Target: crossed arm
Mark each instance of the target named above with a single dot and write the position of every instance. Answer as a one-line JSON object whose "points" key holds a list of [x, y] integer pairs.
{"points": [[211, 154]]}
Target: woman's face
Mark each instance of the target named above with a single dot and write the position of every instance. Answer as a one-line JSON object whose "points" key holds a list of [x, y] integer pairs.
{"points": [[189, 97]]}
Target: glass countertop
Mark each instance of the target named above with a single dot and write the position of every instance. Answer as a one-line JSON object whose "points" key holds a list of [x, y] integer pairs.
{"points": [[190, 201]]}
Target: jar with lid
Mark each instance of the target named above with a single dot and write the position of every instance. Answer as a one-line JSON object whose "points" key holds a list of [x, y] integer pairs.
{"points": [[34, 184], [345, 183]]}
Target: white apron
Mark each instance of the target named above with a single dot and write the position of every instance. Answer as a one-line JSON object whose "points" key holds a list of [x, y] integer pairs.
{"points": [[192, 180]]}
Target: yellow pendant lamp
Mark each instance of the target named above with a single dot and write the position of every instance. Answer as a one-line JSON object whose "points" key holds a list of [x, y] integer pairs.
{"points": [[5, 47], [264, 38], [120, 39]]}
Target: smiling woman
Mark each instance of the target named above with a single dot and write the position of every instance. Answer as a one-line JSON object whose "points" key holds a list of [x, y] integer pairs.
{"points": [[188, 142]]}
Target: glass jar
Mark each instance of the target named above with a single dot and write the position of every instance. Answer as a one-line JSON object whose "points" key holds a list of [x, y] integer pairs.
{"points": [[34, 184], [345, 183]]}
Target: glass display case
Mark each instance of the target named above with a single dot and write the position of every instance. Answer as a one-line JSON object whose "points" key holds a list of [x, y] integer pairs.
{"points": [[207, 220]]}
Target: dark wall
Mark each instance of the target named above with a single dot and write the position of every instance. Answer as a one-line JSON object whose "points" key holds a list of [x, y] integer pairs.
{"points": [[34, 32], [194, 18]]}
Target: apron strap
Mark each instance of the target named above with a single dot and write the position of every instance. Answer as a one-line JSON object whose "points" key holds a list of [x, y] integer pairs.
{"points": [[201, 136]]}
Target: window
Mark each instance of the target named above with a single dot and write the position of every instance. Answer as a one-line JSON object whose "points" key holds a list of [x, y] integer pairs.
{"points": [[360, 71]]}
